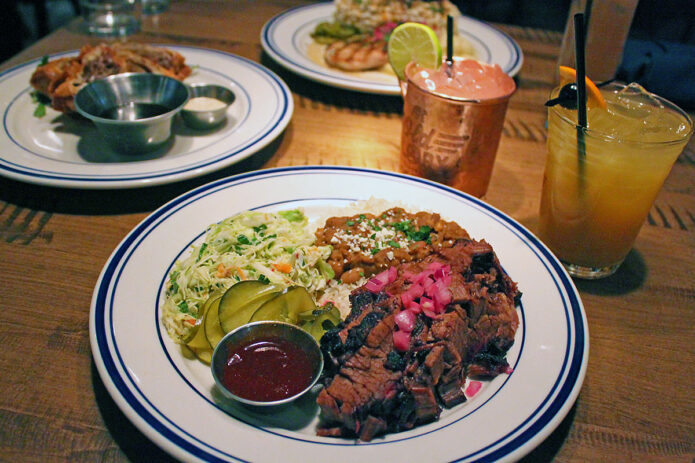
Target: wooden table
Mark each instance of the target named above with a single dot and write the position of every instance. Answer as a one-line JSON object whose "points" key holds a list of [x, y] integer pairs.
{"points": [[637, 402]]}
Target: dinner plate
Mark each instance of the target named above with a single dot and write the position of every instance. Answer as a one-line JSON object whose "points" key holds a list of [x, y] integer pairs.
{"points": [[287, 39], [66, 151], [172, 398]]}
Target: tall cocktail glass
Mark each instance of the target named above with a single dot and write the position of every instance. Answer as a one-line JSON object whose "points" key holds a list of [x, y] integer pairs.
{"points": [[598, 192], [450, 133]]}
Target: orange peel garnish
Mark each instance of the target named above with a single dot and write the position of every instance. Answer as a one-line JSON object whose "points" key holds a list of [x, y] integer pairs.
{"points": [[594, 99]]}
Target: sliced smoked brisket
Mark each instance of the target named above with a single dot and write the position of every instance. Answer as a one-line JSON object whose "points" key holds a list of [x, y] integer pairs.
{"points": [[372, 388]]}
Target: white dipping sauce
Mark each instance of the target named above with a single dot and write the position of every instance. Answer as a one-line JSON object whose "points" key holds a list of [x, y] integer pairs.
{"points": [[204, 103]]}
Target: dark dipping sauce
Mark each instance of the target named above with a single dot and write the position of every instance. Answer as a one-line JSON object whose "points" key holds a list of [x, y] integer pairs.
{"points": [[266, 370], [134, 111]]}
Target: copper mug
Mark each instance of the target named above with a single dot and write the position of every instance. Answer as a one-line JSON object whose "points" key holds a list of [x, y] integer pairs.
{"points": [[450, 140]]}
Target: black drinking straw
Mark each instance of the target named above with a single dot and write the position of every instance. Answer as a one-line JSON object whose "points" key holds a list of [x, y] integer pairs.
{"points": [[449, 43], [580, 63]]}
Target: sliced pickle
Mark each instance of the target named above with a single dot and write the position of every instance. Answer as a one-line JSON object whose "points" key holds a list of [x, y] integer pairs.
{"points": [[204, 354], [309, 315], [307, 325], [211, 322], [329, 319], [286, 306], [196, 338], [243, 314], [242, 300]]}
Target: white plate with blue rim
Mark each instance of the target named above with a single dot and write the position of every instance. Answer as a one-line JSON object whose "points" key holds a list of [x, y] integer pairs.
{"points": [[67, 151], [287, 39], [172, 398]]}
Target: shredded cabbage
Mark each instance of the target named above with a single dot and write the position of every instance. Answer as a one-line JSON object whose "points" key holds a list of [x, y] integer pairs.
{"points": [[273, 247]]}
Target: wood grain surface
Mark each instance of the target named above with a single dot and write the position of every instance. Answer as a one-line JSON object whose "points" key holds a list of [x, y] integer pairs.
{"points": [[637, 402]]}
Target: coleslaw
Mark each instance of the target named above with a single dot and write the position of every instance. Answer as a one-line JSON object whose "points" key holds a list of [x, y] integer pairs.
{"points": [[271, 247]]}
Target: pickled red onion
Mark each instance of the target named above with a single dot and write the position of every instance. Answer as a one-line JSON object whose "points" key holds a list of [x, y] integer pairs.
{"points": [[379, 281], [473, 388], [401, 340], [405, 319]]}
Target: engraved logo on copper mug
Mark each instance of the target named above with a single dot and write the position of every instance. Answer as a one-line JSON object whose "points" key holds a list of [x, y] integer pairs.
{"points": [[439, 154], [451, 141]]}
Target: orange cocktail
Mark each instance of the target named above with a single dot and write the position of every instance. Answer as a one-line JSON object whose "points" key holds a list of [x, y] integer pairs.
{"points": [[452, 122], [598, 191]]}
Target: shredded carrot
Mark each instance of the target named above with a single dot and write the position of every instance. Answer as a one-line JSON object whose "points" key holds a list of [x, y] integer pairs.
{"points": [[282, 267], [190, 321], [221, 271], [241, 273]]}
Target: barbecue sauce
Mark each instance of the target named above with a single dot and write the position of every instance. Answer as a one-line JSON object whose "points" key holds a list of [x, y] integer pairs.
{"points": [[267, 370]]}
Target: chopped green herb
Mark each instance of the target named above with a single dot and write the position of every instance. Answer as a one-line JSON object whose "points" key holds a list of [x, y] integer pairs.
{"points": [[203, 247], [350, 223], [183, 307], [40, 110], [295, 215], [44, 60], [413, 234], [374, 251], [263, 279], [422, 234], [243, 239], [260, 228], [172, 280], [394, 244], [41, 101]]}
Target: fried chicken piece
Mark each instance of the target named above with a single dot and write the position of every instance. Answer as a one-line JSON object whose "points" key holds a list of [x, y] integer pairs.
{"points": [[61, 79]]}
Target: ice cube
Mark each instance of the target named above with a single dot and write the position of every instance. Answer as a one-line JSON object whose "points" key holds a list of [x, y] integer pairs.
{"points": [[636, 98], [643, 115]]}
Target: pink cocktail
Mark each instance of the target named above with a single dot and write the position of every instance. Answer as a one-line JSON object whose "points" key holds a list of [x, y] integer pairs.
{"points": [[452, 122]]}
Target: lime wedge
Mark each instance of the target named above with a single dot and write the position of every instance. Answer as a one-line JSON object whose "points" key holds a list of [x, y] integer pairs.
{"points": [[413, 42]]}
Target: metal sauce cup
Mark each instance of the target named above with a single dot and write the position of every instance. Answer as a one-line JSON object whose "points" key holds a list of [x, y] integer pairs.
{"points": [[257, 331], [203, 119], [132, 111]]}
